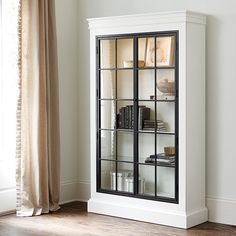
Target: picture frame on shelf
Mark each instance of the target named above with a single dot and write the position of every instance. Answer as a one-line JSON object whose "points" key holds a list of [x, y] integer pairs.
{"points": [[164, 51]]}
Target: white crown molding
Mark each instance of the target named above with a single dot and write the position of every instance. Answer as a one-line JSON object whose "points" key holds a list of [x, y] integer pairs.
{"points": [[147, 19]]}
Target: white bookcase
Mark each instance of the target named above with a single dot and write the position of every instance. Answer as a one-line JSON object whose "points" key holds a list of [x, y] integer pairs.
{"points": [[132, 174]]}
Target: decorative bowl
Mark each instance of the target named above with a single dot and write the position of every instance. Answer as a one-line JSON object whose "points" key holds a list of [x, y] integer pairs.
{"points": [[166, 85], [169, 151]]}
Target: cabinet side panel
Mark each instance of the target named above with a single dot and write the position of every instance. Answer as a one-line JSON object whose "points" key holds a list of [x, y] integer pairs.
{"points": [[195, 80], [93, 116]]}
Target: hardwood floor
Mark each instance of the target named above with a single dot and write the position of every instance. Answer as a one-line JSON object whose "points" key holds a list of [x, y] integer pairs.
{"points": [[73, 220]]}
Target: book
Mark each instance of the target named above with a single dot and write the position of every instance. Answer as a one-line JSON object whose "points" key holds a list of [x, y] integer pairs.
{"points": [[153, 124], [143, 114], [130, 108], [125, 118], [153, 121], [153, 129], [118, 121], [132, 117], [122, 117], [160, 158]]}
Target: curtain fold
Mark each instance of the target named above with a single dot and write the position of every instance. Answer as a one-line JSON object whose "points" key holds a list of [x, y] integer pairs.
{"points": [[38, 141]]}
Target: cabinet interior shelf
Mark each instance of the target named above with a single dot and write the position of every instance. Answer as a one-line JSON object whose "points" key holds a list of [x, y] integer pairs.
{"points": [[140, 131], [140, 163]]}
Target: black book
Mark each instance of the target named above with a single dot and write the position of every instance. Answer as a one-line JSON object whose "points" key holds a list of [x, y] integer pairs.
{"points": [[130, 111], [126, 117], [122, 118], [144, 114], [118, 121]]}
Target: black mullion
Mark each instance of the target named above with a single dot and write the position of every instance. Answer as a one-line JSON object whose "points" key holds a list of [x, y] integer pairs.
{"points": [[135, 92], [155, 108], [117, 161], [143, 196], [148, 100], [114, 68], [116, 105], [114, 99], [131, 35], [98, 124], [119, 130]]}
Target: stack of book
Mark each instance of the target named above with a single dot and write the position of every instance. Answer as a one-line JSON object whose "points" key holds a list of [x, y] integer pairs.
{"points": [[125, 118], [150, 125], [161, 158]]}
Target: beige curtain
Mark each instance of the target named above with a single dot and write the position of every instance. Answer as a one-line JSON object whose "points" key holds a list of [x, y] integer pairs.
{"points": [[37, 153]]}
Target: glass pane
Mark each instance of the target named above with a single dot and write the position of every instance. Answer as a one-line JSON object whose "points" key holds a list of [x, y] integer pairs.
{"points": [[147, 180], [108, 84], [125, 53], [108, 115], [125, 115], [165, 150], [165, 51], [146, 112], [165, 182], [165, 84], [165, 117], [125, 179], [146, 148], [107, 54], [142, 42], [146, 85], [125, 84], [125, 146], [107, 168], [150, 52], [108, 145]]}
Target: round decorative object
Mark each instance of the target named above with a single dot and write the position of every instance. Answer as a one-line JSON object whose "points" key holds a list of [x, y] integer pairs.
{"points": [[169, 151], [166, 85]]}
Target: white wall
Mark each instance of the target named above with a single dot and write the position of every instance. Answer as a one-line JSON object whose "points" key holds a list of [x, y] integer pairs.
{"points": [[220, 93], [67, 40]]}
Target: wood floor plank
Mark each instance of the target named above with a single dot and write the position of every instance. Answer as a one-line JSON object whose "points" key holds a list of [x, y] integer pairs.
{"points": [[73, 220]]}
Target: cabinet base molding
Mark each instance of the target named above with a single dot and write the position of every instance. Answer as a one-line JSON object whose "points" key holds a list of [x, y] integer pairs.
{"points": [[148, 214]]}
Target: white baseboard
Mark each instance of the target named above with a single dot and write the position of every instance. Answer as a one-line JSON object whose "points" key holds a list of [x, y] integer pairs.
{"points": [[222, 210], [68, 191], [7, 200], [74, 190], [83, 191]]}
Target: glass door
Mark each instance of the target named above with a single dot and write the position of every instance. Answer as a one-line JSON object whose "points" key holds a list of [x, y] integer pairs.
{"points": [[115, 114], [137, 115]]}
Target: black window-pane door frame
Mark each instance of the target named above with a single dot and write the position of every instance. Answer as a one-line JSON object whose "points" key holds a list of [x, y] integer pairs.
{"points": [[136, 100]]}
